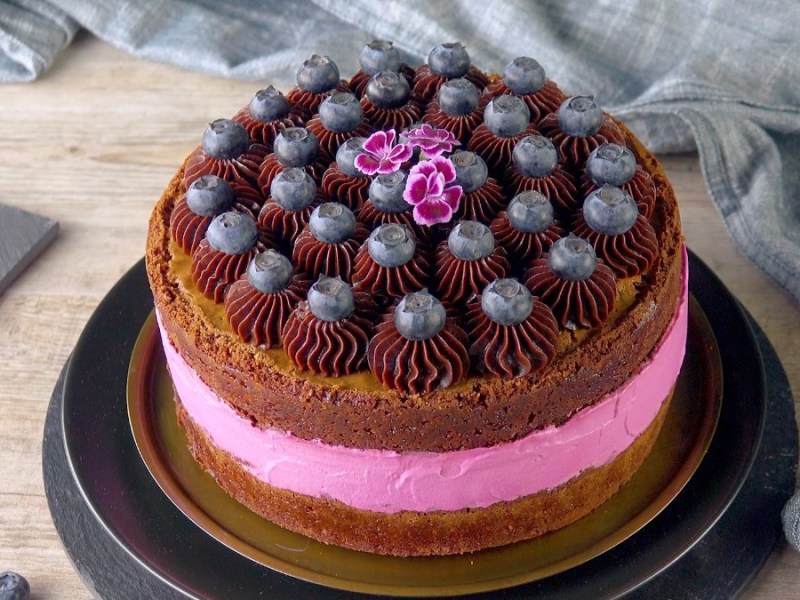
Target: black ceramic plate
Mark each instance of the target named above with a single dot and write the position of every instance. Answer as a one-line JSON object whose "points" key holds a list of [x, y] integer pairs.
{"points": [[128, 503]]}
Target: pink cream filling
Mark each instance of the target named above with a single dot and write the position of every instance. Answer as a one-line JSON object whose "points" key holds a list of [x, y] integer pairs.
{"points": [[386, 481]]}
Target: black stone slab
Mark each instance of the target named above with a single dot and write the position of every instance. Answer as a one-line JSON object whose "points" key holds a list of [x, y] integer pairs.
{"points": [[23, 236]]}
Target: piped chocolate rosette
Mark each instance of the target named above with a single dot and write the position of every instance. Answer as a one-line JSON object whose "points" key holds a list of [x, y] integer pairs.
{"points": [[578, 127], [506, 120], [259, 303], [329, 332], [387, 102], [267, 114], [535, 167], [445, 62], [377, 56], [482, 196], [527, 228], [458, 108], [612, 164], [228, 152], [295, 147], [525, 77], [340, 118], [513, 334], [418, 349], [343, 181], [293, 196], [329, 243], [316, 79]]}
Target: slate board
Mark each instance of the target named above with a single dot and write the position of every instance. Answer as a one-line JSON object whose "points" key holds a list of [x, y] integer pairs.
{"points": [[23, 236]]}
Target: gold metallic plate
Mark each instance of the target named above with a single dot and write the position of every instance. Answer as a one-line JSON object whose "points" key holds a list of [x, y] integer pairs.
{"points": [[680, 447]]}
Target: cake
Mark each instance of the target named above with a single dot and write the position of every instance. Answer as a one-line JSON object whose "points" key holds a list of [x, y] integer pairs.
{"points": [[425, 311]]}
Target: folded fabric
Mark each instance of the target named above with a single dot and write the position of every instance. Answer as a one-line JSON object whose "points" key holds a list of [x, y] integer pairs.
{"points": [[720, 76]]}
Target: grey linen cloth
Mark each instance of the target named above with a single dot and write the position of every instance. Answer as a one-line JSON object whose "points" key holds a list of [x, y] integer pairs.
{"points": [[721, 76]]}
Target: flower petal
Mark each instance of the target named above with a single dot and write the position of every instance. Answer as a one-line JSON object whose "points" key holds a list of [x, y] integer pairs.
{"points": [[367, 164], [416, 188], [445, 167], [387, 165], [376, 143], [423, 168], [452, 196], [401, 153], [435, 184], [432, 212]]}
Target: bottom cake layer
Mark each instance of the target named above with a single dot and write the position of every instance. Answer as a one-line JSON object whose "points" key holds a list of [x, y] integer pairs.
{"points": [[410, 533]]}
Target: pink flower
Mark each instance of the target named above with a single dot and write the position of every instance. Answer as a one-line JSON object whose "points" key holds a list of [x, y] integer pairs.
{"points": [[381, 155], [427, 190], [432, 141]]}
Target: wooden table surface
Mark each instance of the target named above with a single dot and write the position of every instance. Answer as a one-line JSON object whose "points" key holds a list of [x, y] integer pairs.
{"points": [[92, 144]]}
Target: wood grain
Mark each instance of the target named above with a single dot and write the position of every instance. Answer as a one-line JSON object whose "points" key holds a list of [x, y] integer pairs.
{"points": [[91, 145]]}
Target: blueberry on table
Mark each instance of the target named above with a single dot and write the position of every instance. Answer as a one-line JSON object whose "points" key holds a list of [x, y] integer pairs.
{"points": [[612, 164], [386, 192], [209, 195], [530, 212], [232, 233], [391, 245], [388, 89], [471, 170], [458, 97], [610, 210], [340, 112], [379, 55], [580, 116], [506, 116], [523, 75], [269, 104], [13, 586], [449, 60], [332, 223], [572, 258], [318, 74], [269, 272], [506, 301], [419, 316], [225, 139], [535, 156], [296, 147], [330, 299], [470, 240], [293, 189]]}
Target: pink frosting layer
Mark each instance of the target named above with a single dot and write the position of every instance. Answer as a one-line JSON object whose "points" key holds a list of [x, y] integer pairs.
{"points": [[388, 482]]}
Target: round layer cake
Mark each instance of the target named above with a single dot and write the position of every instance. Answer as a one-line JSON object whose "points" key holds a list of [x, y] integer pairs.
{"points": [[424, 311]]}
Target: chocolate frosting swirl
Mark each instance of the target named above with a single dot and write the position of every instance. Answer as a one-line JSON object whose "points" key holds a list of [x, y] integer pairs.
{"points": [[398, 118], [641, 187], [461, 280], [360, 79], [522, 246], [418, 366], [214, 271], [390, 282], [460, 126], [482, 204], [584, 303], [427, 83], [329, 141], [265, 132], [345, 189], [558, 187], [542, 102], [240, 171], [316, 258], [310, 101], [271, 166], [627, 254], [371, 216], [259, 318], [510, 351], [329, 348], [188, 229], [573, 151], [286, 224], [494, 149]]}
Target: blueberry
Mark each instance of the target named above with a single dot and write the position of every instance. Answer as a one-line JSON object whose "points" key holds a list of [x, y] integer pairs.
{"points": [[209, 195], [346, 156], [330, 299], [610, 210], [506, 115], [530, 212], [470, 240], [535, 156], [386, 192], [458, 97], [506, 301], [332, 223], [580, 116], [13, 586], [471, 170], [523, 75], [293, 189], [318, 74], [269, 272], [269, 104], [379, 55], [612, 164], [225, 139], [388, 89], [419, 316], [391, 245], [572, 258], [232, 233], [449, 60], [340, 112], [296, 147]]}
